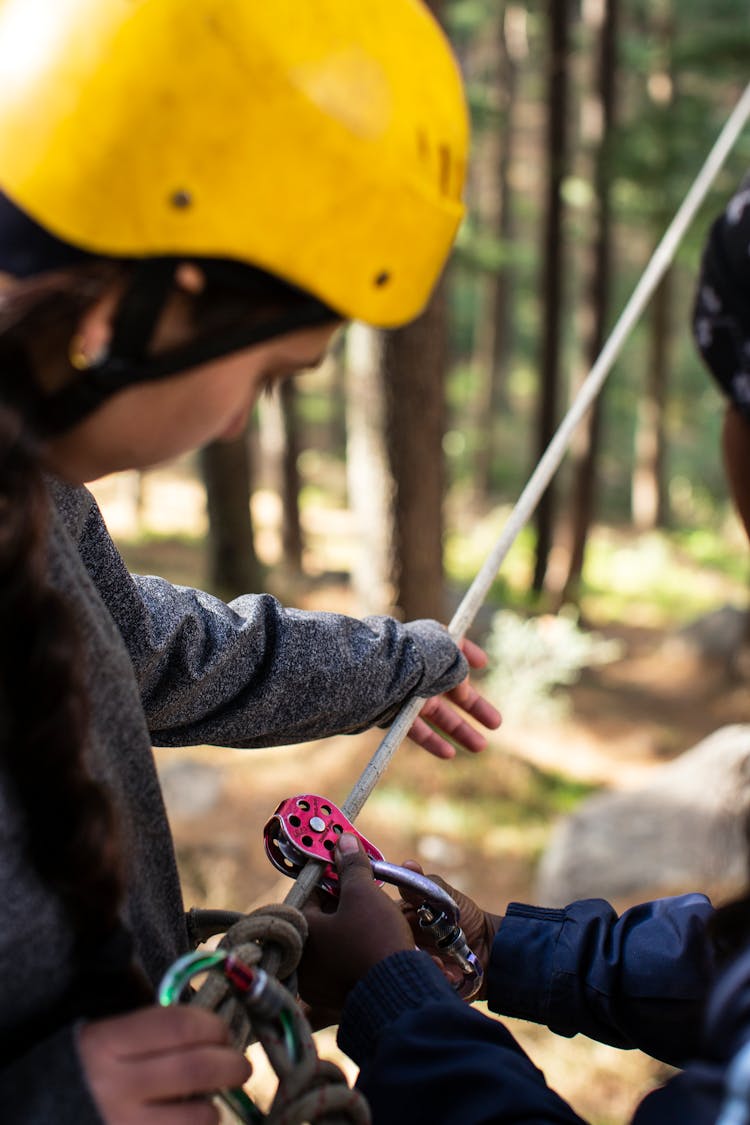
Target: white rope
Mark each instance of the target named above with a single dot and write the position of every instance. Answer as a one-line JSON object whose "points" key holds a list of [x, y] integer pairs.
{"points": [[660, 261]]}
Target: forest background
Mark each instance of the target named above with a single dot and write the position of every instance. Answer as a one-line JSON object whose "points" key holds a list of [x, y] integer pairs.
{"points": [[378, 482]]}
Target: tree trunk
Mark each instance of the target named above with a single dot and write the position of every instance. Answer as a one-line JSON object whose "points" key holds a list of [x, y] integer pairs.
{"points": [[291, 527], [414, 376], [369, 477], [396, 422], [585, 446], [648, 495], [649, 502], [494, 333], [233, 565], [552, 258]]}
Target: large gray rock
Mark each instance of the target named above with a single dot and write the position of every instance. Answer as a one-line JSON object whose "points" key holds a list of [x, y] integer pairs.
{"points": [[720, 638], [683, 831]]}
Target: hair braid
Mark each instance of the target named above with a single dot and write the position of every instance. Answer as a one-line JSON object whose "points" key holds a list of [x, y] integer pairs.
{"points": [[71, 833]]}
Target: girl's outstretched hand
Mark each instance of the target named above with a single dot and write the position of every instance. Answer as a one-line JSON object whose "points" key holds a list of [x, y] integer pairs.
{"points": [[159, 1066], [439, 720]]}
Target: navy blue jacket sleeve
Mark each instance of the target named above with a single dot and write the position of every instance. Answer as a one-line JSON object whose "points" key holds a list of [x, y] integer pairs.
{"points": [[425, 1055], [638, 980]]}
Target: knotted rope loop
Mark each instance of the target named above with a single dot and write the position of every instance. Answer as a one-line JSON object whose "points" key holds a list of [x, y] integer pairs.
{"points": [[309, 1090], [272, 937]]}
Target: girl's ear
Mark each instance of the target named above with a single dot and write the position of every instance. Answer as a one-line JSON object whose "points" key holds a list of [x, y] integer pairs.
{"points": [[94, 332], [91, 339], [190, 278]]}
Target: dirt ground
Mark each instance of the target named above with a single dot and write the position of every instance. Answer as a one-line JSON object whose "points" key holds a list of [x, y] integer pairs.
{"points": [[457, 818]]}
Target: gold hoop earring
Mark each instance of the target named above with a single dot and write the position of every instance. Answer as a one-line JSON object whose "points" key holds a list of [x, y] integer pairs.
{"points": [[78, 358]]}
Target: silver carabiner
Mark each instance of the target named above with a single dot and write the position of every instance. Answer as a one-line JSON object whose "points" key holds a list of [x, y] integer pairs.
{"points": [[440, 916]]}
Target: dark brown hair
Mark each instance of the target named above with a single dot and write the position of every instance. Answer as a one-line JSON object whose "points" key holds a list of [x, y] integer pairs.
{"points": [[70, 825]]}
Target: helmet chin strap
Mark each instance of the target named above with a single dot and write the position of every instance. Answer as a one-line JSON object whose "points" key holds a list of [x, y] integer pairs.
{"points": [[128, 361]]}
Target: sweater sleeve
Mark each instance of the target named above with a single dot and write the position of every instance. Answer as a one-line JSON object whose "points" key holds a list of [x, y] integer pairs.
{"points": [[252, 673], [425, 1055], [638, 980]]}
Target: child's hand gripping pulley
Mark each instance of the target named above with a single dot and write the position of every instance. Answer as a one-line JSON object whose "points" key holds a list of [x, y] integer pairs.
{"points": [[307, 827]]}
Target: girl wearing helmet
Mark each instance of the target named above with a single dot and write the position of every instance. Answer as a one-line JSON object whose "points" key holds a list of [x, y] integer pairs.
{"points": [[192, 199]]}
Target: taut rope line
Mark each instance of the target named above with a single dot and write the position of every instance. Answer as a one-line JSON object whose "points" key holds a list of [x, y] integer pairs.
{"points": [[548, 465]]}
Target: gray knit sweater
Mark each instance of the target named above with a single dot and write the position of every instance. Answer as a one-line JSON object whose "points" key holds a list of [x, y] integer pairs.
{"points": [[171, 666]]}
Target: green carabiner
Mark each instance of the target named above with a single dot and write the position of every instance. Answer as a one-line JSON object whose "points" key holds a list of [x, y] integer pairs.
{"points": [[171, 988]]}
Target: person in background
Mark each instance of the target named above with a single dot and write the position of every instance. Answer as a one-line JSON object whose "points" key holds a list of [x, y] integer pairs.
{"points": [[193, 198], [721, 328]]}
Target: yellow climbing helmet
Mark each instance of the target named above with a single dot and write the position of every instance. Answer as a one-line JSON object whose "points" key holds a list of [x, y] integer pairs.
{"points": [[323, 141]]}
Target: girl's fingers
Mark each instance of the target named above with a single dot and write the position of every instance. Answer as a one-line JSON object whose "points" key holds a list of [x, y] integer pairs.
{"points": [[438, 721], [476, 656], [450, 723], [160, 1066], [152, 1030], [181, 1074], [469, 700], [430, 740]]}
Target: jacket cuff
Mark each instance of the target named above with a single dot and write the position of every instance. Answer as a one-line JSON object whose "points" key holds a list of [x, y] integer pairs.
{"points": [[402, 982], [522, 962]]}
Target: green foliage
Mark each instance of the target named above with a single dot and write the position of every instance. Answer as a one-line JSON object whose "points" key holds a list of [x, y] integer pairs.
{"points": [[530, 658], [662, 579]]}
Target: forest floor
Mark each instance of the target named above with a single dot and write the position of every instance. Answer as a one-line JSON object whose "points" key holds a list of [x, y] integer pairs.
{"points": [[481, 822]]}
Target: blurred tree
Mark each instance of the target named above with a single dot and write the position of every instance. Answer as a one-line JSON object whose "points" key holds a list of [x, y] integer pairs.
{"points": [[233, 565], [558, 62], [396, 422], [413, 371], [600, 19], [291, 526], [369, 478], [503, 51], [649, 494]]}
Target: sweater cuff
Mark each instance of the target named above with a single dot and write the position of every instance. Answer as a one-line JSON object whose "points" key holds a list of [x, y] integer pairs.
{"points": [[402, 982], [444, 665], [521, 962]]}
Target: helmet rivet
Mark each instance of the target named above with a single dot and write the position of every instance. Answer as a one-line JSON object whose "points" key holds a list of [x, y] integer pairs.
{"points": [[382, 278], [181, 199]]}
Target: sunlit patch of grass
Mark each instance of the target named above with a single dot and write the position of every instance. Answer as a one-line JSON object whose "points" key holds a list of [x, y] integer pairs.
{"points": [[661, 578], [727, 554], [658, 578], [508, 810]]}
